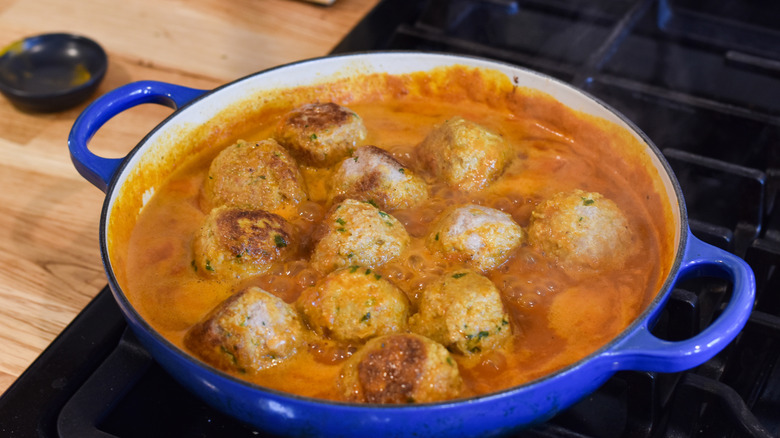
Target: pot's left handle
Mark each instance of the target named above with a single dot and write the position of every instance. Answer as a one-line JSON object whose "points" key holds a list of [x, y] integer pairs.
{"points": [[99, 170], [641, 350]]}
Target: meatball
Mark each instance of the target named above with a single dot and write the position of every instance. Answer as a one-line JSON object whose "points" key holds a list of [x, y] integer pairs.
{"points": [[357, 233], [481, 237], [372, 174], [581, 229], [321, 134], [463, 311], [236, 243], [255, 175], [465, 155], [400, 368], [249, 331], [354, 304]]}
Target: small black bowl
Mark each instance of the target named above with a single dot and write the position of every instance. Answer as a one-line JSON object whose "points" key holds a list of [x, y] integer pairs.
{"points": [[51, 72]]}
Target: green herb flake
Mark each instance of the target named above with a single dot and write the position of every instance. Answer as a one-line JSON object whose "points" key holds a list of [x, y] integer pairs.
{"points": [[353, 269], [313, 136], [459, 275], [402, 170], [194, 265], [208, 266], [587, 201], [341, 221], [437, 237], [368, 271], [279, 241], [450, 362], [383, 214], [371, 201], [365, 317], [341, 230], [377, 276]]}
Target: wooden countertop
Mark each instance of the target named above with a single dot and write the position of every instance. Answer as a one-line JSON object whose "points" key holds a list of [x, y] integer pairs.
{"points": [[50, 265]]}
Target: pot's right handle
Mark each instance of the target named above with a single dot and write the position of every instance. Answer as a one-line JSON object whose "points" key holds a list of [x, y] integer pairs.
{"points": [[99, 170], [641, 350]]}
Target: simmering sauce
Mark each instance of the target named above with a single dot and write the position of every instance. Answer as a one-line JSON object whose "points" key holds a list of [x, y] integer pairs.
{"points": [[558, 315]]}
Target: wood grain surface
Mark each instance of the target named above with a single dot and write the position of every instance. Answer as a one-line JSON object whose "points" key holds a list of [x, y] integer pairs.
{"points": [[50, 265]]}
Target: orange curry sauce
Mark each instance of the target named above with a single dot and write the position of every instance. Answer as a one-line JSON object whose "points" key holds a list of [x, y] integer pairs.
{"points": [[557, 316]]}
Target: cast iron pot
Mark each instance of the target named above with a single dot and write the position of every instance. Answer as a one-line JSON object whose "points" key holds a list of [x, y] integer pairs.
{"points": [[487, 415]]}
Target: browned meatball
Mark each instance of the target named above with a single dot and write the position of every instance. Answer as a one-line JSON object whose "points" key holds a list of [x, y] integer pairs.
{"points": [[463, 311], [400, 368], [249, 331], [479, 236], [581, 229], [259, 175], [467, 156], [372, 174], [236, 243], [357, 233], [354, 304], [321, 134]]}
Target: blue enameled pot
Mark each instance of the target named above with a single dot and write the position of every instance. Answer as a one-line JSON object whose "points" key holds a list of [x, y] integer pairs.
{"points": [[488, 415]]}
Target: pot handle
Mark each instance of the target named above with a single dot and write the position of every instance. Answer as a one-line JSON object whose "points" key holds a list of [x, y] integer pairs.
{"points": [[99, 170], [641, 350]]}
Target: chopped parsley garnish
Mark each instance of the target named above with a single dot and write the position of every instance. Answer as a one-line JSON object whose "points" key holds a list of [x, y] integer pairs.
{"points": [[313, 136], [194, 265], [437, 237], [279, 241], [371, 201], [208, 266], [459, 275], [402, 170], [353, 269], [368, 271], [341, 221], [587, 201], [365, 317]]}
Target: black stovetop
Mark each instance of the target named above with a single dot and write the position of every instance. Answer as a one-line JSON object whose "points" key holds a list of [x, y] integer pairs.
{"points": [[701, 78]]}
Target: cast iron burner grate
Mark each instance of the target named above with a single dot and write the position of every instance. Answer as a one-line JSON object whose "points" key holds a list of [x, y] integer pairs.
{"points": [[701, 78]]}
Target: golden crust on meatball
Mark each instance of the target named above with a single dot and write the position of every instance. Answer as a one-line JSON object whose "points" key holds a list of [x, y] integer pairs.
{"points": [[466, 155], [400, 368], [372, 174], [357, 233], [321, 134], [237, 243], [581, 229], [354, 304], [255, 175], [462, 310], [479, 236], [250, 331]]}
